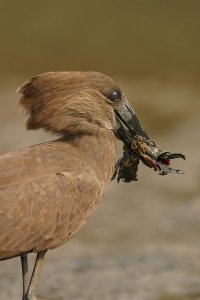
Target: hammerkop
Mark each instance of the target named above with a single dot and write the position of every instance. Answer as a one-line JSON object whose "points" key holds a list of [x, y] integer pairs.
{"points": [[48, 191]]}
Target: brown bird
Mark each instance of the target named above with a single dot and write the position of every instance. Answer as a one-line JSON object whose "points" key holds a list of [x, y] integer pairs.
{"points": [[48, 191]]}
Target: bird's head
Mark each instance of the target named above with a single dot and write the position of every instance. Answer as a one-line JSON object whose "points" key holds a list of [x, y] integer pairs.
{"points": [[74, 103]]}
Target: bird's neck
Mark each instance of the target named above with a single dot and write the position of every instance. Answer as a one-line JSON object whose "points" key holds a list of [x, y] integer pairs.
{"points": [[99, 152]]}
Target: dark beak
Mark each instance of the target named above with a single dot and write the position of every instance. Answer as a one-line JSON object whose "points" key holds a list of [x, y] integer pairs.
{"points": [[126, 116]]}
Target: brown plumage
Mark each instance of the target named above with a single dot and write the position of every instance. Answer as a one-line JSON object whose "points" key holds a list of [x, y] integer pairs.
{"points": [[48, 191]]}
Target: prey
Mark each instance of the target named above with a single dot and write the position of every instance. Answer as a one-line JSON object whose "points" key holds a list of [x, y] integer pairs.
{"points": [[141, 148]]}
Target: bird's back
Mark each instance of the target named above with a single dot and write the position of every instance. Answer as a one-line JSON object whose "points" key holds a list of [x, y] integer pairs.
{"points": [[47, 192]]}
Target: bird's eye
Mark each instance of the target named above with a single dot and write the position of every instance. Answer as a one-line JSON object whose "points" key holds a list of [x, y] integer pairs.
{"points": [[114, 96]]}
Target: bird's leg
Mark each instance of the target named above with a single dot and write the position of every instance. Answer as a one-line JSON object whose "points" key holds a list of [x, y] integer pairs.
{"points": [[25, 275], [32, 288]]}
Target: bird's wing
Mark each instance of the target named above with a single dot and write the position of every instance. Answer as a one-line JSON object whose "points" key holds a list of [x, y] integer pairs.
{"points": [[45, 211], [37, 160]]}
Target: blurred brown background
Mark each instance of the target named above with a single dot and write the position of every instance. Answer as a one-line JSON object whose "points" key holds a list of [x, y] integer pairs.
{"points": [[143, 242]]}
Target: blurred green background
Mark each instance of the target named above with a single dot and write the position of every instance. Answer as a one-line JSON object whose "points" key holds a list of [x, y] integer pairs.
{"points": [[143, 241]]}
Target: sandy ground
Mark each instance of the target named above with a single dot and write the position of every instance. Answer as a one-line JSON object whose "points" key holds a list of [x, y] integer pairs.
{"points": [[143, 242]]}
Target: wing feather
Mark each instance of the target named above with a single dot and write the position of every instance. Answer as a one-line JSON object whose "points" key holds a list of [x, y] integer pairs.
{"points": [[45, 212]]}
